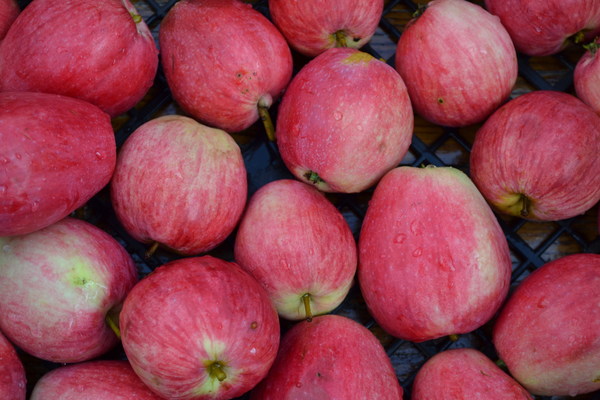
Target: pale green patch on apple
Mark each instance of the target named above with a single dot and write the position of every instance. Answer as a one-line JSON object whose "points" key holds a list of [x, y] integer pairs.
{"points": [[516, 204], [291, 305], [217, 369], [359, 57], [86, 282]]}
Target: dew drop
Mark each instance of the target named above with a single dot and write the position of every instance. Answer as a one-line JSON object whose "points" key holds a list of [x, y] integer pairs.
{"points": [[298, 384], [35, 205], [400, 238], [338, 115], [100, 156], [417, 252], [253, 350], [18, 156], [4, 160]]}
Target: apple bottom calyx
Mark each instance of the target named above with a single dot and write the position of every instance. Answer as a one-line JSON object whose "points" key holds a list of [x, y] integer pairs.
{"points": [[216, 371]]}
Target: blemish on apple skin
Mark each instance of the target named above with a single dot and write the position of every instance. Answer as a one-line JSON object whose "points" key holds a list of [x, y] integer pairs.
{"points": [[440, 100], [254, 325]]}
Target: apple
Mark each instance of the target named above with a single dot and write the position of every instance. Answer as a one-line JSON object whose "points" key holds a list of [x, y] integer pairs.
{"points": [[433, 260], [92, 380], [101, 52], [548, 333], [313, 26], [545, 27], [12, 374], [225, 62], [9, 9], [344, 121], [465, 374], [586, 77], [330, 357], [199, 328], [537, 155], [458, 62], [59, 287], [56, 153], [198, 181], [298, 246]]}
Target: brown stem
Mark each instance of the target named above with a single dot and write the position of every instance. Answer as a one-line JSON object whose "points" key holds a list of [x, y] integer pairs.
{"points": [[263, 112], [306, 301], [150, 252], [525, 206], [340, 39]]}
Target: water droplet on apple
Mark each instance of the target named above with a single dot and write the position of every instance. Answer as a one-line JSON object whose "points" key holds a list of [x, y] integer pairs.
{"points": [[4, 160], [298, 384], [417, 252], [35, 205], [100, 156], [18, 156], [400, 238], [253, 350], [338, 115]]}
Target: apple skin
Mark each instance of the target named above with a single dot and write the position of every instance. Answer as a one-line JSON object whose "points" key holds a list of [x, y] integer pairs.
{"points": [[330, 357], [85, 49], [220, 70], [9, 10], [57, 286], [295, 242], [92, 380], [586, 77], [344, 121], [199, 184], [191, 314], [544, 27], [56, 153], [548, 332], [465, 374], [535, 157], [12, 374], [458, 62], [310, 26], [433, 260]]}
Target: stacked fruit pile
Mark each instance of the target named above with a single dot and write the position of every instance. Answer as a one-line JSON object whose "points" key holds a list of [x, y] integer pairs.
{"points": [[264, 207]]}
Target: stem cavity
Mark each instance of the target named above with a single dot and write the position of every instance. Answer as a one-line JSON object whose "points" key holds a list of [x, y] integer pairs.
{"points": [[216, 370]]}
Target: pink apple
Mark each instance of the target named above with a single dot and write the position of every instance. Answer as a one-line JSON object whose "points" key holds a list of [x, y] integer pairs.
{"points": [[313, 26], [12, 374], [198, 181], [56, 153], [199, 328], [433, 260], [537, 157], [344, 121], [101, 52], [9, 9], [465, 374], [223, 61], [548, 333], [330, 357], [586, 77], [458, 62], [544, 27], [58, 285], [92, 380], [298, 246]]}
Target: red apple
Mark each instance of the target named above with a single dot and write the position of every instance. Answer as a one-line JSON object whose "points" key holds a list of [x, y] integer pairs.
{"points": [[101, 52], [465, 374], [548, 333], [313, 26], [56, 153], [458, 62], [433, 260], [92, 380], [298, 246], [330, 357], [198, 181], [199, 328], [586, 77], [9, 9], [223, 61], [12, 373], [537, 157], [544, 27], [344, 121], [58, 285]]}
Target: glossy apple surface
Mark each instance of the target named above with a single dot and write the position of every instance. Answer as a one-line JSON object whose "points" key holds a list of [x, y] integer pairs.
{"points": [[545, 27], [344, 121], [313, 26], [458, 62], [433, 260], [296, 243], [101, 52], [465, 374], [548, 333], [586, 77], [9, 9], [536, 157], [12, 374], [330, 357], [199, 328], [92, 380], [56, 153], [180, 184], [57, 286], [223, 60]]}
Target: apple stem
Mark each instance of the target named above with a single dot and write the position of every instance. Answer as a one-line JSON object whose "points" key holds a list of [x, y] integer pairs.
{"points": [[500, 363], [525, 207], [306, 301], [150, 252], [313, 177], [263, 112], [340, 39], [215, 370], [453, 337], [592, 47], [112, 319]]}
